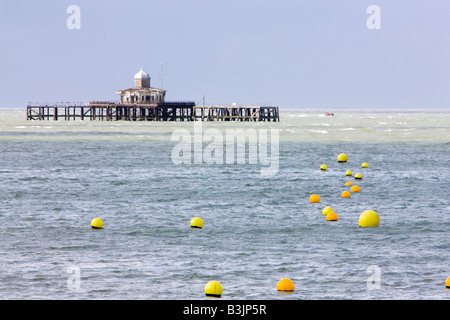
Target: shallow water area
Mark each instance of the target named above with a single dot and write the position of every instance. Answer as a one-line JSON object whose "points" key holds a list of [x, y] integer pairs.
{"points": [[56, 176]]}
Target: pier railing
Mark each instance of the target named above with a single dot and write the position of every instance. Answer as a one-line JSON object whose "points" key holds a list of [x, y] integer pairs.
{"points": [[168, 111]]}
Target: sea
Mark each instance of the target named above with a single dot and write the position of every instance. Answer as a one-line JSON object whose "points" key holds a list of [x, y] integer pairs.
{"points": [[146, 181]]}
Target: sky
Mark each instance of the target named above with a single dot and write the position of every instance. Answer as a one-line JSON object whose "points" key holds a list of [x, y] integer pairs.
{"points": [[316, 54]]}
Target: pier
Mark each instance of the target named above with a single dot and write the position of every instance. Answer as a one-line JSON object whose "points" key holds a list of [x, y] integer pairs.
{"points": [[145, 103], [166, 111]]}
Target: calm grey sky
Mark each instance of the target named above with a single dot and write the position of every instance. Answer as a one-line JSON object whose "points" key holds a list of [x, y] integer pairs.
{"points": [[294, 54]]}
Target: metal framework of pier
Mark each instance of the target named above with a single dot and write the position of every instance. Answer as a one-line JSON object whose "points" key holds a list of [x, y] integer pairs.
{"points": [[167, 111]]}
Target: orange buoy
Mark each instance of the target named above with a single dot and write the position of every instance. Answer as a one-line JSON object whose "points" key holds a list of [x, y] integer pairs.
{"points": [[331, 216], [345, 194], [285, 285]]}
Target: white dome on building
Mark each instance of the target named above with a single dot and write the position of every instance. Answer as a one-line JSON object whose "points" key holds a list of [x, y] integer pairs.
{"points": [[141, 75], [141, 79]]}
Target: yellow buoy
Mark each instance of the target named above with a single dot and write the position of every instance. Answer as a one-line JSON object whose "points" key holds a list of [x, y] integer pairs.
{"points": [[332, 216], [355, 188], [285, 285], [314, 198], [369, 218], [348, 173], [326, 210], [345, 194], [358, 176], [196, 223], [365, 165], [97, 223], [323, 167], [342, 157], [447, 283], [349, 183], [213, 289]]}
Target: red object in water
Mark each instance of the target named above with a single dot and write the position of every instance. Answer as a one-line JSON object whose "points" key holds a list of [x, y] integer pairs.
{"points": [[329, 114]]}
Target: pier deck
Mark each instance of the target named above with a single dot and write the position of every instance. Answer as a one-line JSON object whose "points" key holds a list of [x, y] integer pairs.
{"points": [[167, 111]]}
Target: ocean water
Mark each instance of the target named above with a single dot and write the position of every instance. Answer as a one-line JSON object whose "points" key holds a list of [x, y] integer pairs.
{"points": [[56, 176]]}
